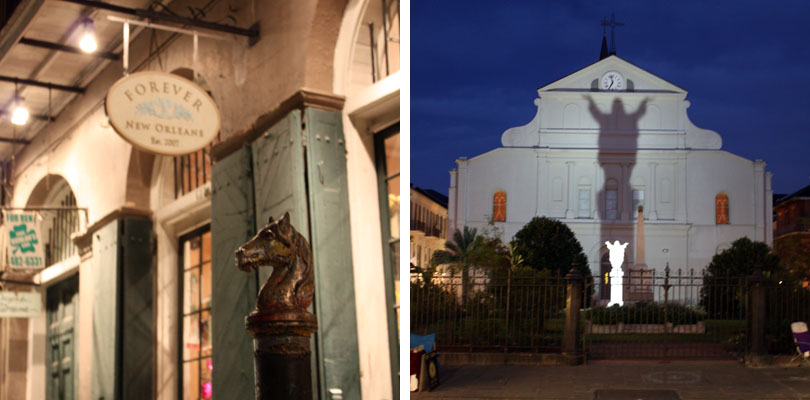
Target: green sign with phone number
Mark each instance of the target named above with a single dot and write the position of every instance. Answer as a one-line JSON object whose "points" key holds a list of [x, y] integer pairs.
{"points": [[23, 240]]}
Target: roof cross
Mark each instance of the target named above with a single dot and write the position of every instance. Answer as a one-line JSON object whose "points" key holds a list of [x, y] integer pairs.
{"points": [[612, 24]]}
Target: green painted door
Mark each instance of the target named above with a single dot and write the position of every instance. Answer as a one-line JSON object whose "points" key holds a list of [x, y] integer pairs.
{"points": [[136, 312], [62, 312]]}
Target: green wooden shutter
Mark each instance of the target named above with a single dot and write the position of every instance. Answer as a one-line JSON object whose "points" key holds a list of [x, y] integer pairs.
{"points": [[234, 292], [104, 268], [332, 255], [280, 185], [278, 176], [137, 315]]}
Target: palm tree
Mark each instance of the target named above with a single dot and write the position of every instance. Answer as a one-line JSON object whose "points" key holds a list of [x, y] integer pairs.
{"points": [[459, 253]]}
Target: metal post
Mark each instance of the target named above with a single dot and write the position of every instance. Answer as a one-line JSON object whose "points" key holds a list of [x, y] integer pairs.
{"points": [[756, 288], [280, 324], [371, 40], [666, 287], [508, 296], [573, 302], [385, 36]]}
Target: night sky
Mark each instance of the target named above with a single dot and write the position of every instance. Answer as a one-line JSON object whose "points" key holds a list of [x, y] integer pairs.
{"points": [[476, 67]]}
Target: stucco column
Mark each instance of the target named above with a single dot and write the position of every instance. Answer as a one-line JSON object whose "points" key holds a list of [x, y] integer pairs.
{"points": [[681, 187], [461, 216], [653, 215], [624, 195], [545, 183], [640, 237], [597, 183], [537, 186], [759, 201], [451, 204], [569, 208], [768, 208]]}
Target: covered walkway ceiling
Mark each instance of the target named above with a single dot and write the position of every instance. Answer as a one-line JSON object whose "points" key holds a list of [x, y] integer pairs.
{"points": [[39, 49]]}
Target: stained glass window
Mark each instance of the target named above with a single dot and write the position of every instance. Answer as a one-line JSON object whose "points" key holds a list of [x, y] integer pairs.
{"points": [[721, 208], [499, 206]]}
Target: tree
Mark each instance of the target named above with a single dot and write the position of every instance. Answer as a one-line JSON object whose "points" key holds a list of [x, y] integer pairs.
{"points": [[742, 258], [460, 253], [548, 244], [721, 295]]}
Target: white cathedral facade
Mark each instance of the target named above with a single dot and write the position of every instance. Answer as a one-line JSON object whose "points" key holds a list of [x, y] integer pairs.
{"points": [[606, 139]]}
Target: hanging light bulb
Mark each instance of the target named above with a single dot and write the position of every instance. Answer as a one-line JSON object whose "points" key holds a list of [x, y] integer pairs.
{"points": [[87, 42], [20, 114]]}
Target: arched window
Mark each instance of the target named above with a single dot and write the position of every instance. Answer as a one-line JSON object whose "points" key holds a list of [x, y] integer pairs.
{"points": [[611, 199], [721, 208], [604, 278], [499, 206]]}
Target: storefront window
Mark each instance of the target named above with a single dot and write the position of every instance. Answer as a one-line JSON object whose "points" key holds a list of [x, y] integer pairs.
{"points": [[386, 145], [196, 314]]}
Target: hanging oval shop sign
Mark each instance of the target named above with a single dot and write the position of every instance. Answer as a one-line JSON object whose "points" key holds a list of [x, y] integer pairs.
{"points": [[162, 113]]}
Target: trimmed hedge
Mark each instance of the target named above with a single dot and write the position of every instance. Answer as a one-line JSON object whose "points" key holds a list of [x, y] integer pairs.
{"points": [[645, 313]]}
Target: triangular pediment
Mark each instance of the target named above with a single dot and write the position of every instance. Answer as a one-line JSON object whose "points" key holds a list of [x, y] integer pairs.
{"points": [[637, 79]]}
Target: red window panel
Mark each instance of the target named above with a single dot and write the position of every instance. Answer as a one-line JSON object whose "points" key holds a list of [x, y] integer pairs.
{"points": [[499, 206], [721, 208]]}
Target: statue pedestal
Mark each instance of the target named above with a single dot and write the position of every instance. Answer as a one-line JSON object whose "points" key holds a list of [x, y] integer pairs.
{"points": [[638, 284], [616, 292]]}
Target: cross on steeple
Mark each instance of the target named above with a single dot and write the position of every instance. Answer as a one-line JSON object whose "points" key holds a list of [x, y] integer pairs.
{"points": [[612, 24]]}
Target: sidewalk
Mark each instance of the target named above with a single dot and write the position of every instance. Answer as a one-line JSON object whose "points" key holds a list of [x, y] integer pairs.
{"points": [[613, 380]]}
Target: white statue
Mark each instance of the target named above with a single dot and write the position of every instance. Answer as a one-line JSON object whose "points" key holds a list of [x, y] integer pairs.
{"points": [[616, 273]]}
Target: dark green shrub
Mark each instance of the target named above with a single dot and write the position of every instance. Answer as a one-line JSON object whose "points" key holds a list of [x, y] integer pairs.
{"points": [[645, 313]]}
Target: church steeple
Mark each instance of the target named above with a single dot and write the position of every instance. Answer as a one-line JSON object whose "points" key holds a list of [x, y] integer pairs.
{"points": [[604, 52], [612, 24]]}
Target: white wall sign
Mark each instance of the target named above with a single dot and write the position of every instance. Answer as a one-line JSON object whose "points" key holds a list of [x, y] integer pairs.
{"points": [[162, 113], [20, 305], [24, 246]]}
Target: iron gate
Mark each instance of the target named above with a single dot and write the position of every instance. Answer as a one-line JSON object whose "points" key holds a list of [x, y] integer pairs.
{"points": [[680, 315]]}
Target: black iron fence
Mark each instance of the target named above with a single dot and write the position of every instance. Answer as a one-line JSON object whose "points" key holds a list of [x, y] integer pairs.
{"points": [[492, 312], [675, 314], [785, 302]]}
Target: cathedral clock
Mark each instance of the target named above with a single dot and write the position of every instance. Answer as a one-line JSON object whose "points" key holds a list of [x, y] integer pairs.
{"points": [[612, 81]]}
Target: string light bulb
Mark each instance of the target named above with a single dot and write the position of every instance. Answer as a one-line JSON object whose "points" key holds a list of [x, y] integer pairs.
{"points": [[87, 42], [19, 116]]}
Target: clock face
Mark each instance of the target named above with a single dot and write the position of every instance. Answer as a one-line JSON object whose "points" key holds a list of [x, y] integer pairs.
{"points": [[612, 81]]}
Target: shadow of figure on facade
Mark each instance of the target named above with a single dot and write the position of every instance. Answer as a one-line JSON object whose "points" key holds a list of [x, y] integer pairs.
{"points": [[617, 151]]}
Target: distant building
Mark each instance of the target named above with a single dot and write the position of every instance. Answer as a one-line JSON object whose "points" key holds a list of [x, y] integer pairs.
{"points": [[792, 213], [428, 224], [791, 228]]}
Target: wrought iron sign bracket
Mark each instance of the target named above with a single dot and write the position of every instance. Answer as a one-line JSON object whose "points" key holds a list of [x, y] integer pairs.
{"points": [[252, 33]]}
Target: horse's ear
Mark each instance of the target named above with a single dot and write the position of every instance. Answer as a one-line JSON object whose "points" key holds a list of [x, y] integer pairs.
{"points": [[270, 221], [286, 218]]}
